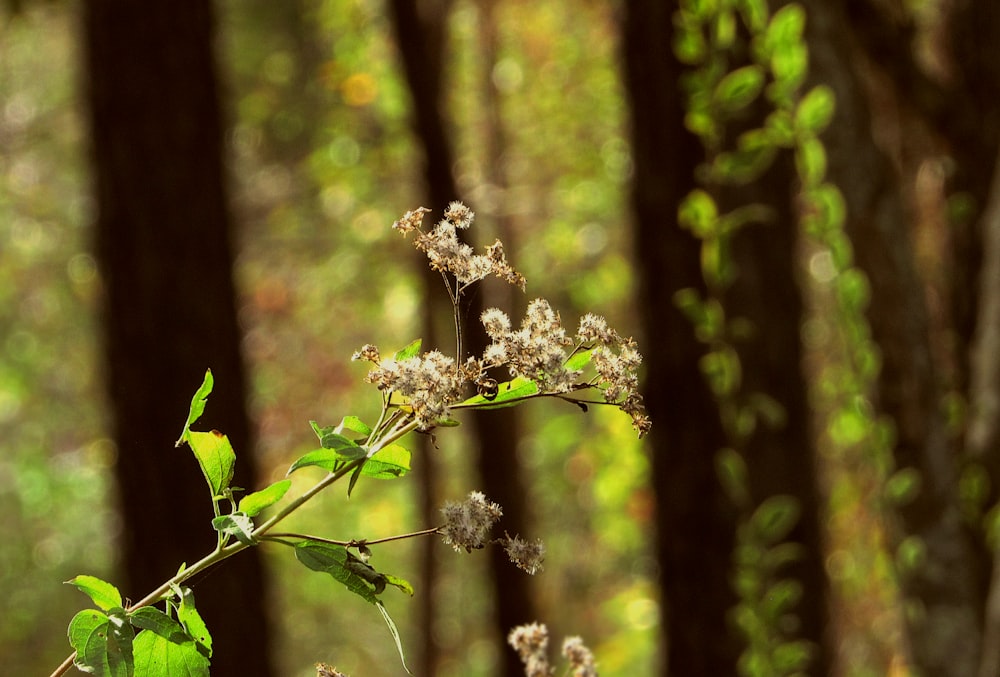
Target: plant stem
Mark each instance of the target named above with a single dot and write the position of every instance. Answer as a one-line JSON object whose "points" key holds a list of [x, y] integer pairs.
{"points": [[221, 553], [355, 543]]}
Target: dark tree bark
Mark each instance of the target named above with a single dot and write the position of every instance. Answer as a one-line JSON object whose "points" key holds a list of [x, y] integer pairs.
{"points": [[781, 456], [950, 586], [163, 243], [419, 28], [697, 523], [695, 519]]}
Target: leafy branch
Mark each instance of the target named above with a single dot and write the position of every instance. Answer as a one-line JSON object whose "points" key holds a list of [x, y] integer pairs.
{"points": [[419, 392]]}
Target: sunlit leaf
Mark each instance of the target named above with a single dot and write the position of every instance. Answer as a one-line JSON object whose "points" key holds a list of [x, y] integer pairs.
{"points": [[103, 594], [103, 643], [197, 405], [193, 623], [698, 213], [158, 656], [252, 504], [815, 110], [509, 394], [738, 89], [354, 424], [400, 583], [215, 457], [411, 350], [388, 463], [578, 360]]}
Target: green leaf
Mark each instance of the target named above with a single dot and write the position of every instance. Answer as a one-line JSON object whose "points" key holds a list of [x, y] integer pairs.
{"points": [[400, 583], [328, 459], [158, 656], [815, 110], [103, 642], [733, 474], [193, 623], [388, 463], [103, 594], [411, 350], [354, 424], [793, 657], [509, 394], [395, 634], [154, 620], [332, 559], [789, 64], [903, 486], [216, 457], [578, 360], [252, 504], [738, 89], [197, 405], [780, 599], [786, 25], [330, 437], [698, 213], [754, 15], [236, 524], [775, 517]]}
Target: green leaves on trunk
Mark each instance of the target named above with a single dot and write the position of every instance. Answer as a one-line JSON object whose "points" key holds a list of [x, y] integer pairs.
{"points": [[355, 575], [106, 642]]}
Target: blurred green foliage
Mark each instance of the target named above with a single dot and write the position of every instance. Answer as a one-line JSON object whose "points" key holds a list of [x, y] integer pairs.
{"points": [[55, 494], [322, 161]]}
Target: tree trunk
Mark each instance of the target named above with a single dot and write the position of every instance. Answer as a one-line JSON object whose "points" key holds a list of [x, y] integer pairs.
{"points": [[163, 243], [948, 587], [781, 456], [419, 37], [695, 519]]}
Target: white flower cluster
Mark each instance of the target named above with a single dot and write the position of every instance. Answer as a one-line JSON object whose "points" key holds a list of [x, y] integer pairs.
{"points": [[450, 255], [581, 659], [467, 524], [537, 350], [531, 642], [528, 556], [430, 382]]}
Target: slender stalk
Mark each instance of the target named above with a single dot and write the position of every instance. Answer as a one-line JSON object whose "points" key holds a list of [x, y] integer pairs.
{"points": [[353, 543], [221, 553]]}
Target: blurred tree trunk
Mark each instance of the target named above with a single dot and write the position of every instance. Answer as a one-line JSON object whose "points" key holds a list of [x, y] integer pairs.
{"points": [[781, 455], [420, 30], [697, 524], [696, 521], [163, 243], [960, 111]]}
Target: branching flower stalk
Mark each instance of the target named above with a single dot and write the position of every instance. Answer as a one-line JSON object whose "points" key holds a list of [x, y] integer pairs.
{"points": [[420, 391]]}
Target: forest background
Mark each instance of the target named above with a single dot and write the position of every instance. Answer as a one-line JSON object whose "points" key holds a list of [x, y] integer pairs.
{"points": [[196, 185]]}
